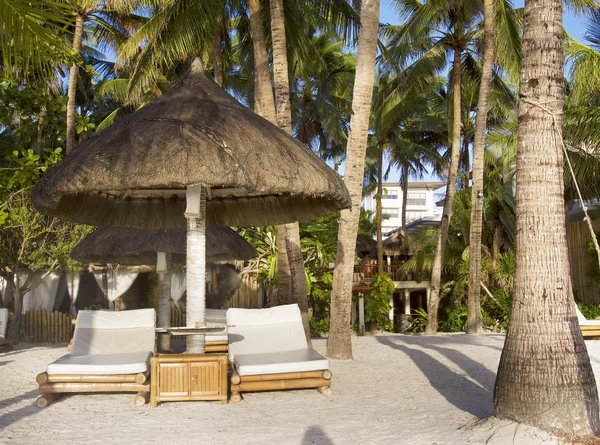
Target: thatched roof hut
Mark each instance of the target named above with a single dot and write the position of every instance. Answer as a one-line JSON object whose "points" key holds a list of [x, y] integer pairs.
{"points": [[393, 244], [366, 245], [133, 247], [135, 173]]}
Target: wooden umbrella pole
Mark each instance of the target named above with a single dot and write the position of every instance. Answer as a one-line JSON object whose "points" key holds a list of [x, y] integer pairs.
{"points": [[163, 269], [196, 265]]}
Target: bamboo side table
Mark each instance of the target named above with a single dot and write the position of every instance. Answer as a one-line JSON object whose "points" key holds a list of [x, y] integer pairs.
{"points": [[187, 377]]}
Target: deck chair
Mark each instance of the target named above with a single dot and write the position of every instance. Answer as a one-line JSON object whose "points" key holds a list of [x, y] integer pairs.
{"points": [[111, 353], [4, 343], [216, 342], [269, 351], [589, 328]]}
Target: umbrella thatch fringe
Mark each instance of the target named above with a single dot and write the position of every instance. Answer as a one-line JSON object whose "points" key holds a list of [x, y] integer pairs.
{"points": [[155, 213]]}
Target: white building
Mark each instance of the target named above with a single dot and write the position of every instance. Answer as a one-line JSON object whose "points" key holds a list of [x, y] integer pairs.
{"points": [[421, 201]]}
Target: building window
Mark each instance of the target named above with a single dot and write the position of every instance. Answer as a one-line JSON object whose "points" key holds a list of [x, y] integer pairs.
{"points": [[413, 216], [390, 213], [417, 199], [390, 195]]}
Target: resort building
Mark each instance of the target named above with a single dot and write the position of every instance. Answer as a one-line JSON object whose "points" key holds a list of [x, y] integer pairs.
{"points": [[421, 203]]}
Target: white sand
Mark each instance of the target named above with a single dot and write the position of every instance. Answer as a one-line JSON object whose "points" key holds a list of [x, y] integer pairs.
{"points": [[397, 390]]}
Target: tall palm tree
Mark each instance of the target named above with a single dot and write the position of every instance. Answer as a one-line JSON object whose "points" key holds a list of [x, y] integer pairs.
{"points": [[474, 325], [544, 378], [288, 233], [339, 344]]}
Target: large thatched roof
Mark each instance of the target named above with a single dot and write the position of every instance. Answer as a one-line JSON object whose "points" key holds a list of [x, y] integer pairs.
{"points": [[133, 247], [135, 173], [392, 246]]}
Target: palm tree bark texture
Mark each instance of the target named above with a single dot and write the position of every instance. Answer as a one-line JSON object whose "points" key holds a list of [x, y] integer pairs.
{"points": [[73, 76], [339, 345], [544, 377], [291, 231], [474, 325], [438, 261], [264, 105]]}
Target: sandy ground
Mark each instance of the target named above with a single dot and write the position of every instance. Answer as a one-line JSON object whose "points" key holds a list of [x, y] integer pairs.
{"points": [[397, 390]]}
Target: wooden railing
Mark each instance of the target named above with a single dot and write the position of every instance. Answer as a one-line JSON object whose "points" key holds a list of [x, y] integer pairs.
{"points": [[366, 272]]}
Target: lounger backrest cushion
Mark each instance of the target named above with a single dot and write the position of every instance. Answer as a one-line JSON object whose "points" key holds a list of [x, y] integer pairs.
{"points": [[256, 331], [111, 332], [3, 322]]}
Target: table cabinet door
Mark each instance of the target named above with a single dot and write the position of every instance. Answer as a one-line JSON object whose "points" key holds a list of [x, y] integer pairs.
{"points": [[205, 378], [174, 380]]}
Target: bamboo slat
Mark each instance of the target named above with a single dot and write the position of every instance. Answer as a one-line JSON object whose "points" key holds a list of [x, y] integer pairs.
{"points": [[326, 374], [270, 385], [68, 378], [91, 387]]}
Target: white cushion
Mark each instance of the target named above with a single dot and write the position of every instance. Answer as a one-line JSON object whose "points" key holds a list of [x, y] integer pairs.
{"points": [[138, 318], [584, 321], [3, 322], [260, 317], [274, 363], [110, 332], [260, 331], [101, 364]]}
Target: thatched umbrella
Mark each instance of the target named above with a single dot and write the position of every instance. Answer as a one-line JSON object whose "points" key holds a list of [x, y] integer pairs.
{"points": [[194, 153], [136, 247], [366, 245], [393, 244]]}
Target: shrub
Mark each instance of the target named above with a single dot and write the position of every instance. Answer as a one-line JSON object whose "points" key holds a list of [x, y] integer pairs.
{"points": [[319, 326], [377, 302]]}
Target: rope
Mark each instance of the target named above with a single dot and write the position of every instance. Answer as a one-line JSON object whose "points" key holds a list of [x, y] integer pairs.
{"points": [[562, 142]]}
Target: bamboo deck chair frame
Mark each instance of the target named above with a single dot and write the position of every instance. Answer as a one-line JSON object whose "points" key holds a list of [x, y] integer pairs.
{"points": [[111, 353], [589, 328], [269, 352]]}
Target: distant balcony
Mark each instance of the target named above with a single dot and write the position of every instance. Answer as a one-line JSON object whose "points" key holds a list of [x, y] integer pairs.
{"points": [[366, 272]]}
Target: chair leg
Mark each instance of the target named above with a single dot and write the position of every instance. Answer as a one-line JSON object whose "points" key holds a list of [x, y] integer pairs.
{"points": [[325, 390], [140, 399], [45, 399], [236, 397]]}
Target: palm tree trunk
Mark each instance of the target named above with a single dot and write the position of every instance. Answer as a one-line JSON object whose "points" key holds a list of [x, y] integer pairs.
{"points": [[404, 196], [284, 121], [265, 107], [474, 325], [544, 378], [263, 90], [217, 62], [339, 345], [438, 261], [163, 269], [379, 212], [72, 89]]}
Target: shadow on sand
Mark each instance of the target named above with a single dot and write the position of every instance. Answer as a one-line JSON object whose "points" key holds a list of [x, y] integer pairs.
{"points": [[316, 436], [472, 395]]}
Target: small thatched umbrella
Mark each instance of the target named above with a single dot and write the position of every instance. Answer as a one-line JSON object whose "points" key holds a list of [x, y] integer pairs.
{"points": [[393, 244], [136, 247], [366, 245], [194, 153]]}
